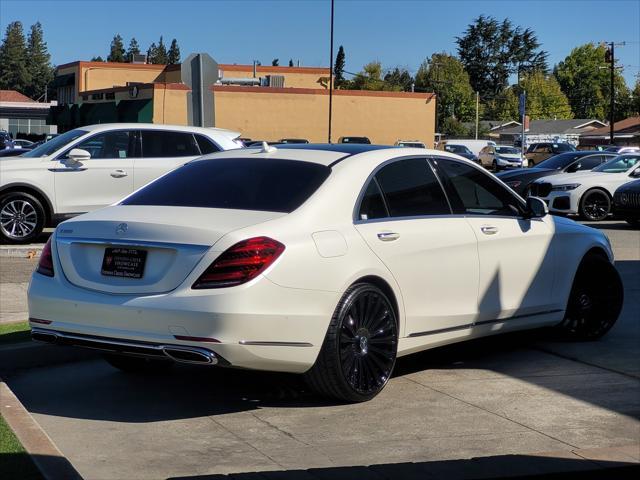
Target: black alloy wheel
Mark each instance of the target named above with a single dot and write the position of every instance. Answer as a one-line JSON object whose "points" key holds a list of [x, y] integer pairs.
{"points": [[359, 350], [595, 301], [595, 205]]}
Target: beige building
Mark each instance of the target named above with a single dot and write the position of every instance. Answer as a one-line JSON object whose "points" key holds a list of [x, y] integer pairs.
{"points": [[261, 102]]}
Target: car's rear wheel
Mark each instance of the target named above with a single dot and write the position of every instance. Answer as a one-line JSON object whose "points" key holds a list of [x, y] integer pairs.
{"points": [[359, 350], [494, 166], [131, 364], [595, 301], [22, 217], [595, 205]]}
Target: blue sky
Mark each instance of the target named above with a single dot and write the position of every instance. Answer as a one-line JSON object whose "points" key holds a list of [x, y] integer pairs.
{"points": [[398, 33]]}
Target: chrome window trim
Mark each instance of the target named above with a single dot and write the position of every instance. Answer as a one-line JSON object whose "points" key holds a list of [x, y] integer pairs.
{"points": [[129, 243]]}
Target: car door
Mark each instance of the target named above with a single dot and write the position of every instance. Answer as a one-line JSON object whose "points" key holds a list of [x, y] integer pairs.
{"points": [[100, 181], [162, 151], [516, 254], [406, 220]]}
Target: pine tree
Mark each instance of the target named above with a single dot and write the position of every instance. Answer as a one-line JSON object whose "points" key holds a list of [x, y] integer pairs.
{"points": [[160, 55], [134, 49], [116, 53], [274, 62], [14, 74], [38, 62], [97, 59], [338, 69], [291, 62], [173, 56], [151, 53]]}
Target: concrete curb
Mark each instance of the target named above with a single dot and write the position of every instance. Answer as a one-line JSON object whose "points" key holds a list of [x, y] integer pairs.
{"points": [[21, 251], [19, 356], [45, 455]]}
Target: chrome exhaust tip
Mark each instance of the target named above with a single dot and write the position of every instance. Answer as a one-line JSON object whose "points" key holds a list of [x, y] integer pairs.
{"points": [[44, 337], [190, 355]]}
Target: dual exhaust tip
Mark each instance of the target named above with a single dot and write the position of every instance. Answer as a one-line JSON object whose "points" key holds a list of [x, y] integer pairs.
{"points": [[192, 355]]}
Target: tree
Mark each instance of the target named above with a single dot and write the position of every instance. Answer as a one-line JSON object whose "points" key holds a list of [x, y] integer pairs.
{"points": [[545, 99], [503, 107], [116, 52], [38, 63], [14, 74], [291, 62], [635, 99], [370, 78], [398, 79], [444, 75], [173, 56], [584, 77], [491, 51], [134, 49], [157, 54], [452, 127], [338, 69], [97, 59], [274, 62]]}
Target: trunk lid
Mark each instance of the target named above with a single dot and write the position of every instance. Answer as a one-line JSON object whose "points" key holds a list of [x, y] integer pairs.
{"points": [[172, 241]]}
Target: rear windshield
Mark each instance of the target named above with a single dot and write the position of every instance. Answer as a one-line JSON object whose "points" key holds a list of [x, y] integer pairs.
{"points": [[269, 185], [558, 162]]}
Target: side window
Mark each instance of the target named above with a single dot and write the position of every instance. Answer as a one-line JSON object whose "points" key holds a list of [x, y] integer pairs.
{"points": [[162, 144], [411, 188], [372, 204], [475, 193], [118, 144], [206, 145], [590, 162]]}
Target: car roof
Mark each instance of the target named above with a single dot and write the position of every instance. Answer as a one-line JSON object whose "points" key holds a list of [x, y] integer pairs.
{"points": [[155, 126]]}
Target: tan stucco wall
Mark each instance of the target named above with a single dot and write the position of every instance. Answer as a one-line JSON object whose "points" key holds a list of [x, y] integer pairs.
{"points": [[169, 106], [97, 77], [270, 116]]}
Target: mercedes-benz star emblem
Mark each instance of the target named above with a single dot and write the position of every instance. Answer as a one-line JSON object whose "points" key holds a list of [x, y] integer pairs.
{"points": [[122, 229]]}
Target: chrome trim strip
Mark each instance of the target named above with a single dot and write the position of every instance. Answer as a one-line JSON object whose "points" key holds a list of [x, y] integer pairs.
{"points": [[130, 243], [483, 322], [62, 170], [275, 344]]}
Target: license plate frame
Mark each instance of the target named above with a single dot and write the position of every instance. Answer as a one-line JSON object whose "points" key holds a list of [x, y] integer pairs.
{"points": [[124, 262]]}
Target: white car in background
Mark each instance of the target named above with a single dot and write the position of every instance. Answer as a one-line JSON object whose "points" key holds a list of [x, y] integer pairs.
{"points": [[92, 167], [587, 193], [501, 157], [327, 260]]}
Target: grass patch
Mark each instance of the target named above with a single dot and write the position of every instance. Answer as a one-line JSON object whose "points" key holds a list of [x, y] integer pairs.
{"points": [[14, 332], [14, 460]]}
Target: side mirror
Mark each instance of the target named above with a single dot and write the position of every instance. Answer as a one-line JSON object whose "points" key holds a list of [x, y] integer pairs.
{"points": [[636, 173], [77, 155], [536, 208]]}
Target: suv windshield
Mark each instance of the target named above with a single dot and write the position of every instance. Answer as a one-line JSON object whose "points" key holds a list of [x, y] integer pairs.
{"points": [[563, 147], [507, 150], [55, 143], [269, 185], [618, 165], [457, 149]]}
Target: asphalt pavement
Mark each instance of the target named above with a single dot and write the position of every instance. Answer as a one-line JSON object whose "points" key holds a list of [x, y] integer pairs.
{"points": [[545, 404]]}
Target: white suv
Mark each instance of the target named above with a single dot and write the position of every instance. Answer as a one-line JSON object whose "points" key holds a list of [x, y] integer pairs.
{"points": [[92, 167]]}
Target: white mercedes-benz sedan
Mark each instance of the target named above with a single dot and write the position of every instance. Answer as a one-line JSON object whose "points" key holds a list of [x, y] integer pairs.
{"points": [[588, 193], [326, 260]]}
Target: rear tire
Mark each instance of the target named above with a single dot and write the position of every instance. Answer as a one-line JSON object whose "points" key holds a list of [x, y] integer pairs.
{"points": [[22, 217], [595, 205], [595, 300], [132, 364], [494, 166], [359, 350]]}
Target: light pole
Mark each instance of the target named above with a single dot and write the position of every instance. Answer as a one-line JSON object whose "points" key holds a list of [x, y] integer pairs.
{"points": [[331, 73]]}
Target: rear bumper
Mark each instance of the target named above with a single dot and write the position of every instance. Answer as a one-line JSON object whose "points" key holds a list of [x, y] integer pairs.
{"points": [[259, 325]]}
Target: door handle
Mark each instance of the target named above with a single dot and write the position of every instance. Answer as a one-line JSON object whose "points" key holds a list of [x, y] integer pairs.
{"points": [[489, 230], [388, 236], [119, 173]]}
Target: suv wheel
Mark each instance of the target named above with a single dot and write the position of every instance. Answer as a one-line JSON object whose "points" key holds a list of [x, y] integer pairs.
{"points": [[595, 205], [595, 300], [21, 217], [359, 351]]}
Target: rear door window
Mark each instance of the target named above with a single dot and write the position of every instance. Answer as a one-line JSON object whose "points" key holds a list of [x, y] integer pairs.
{"points": [[410, 188], [164, 143], [372, 205], [236, 183], [206, 145]]}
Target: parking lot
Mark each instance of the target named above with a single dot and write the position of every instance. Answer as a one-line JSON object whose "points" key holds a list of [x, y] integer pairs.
{"points": [[545, 403]]}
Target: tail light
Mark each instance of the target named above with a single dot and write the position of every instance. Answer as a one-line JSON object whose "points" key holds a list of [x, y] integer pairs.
{"points": [[240, 263], [45, 264]]}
